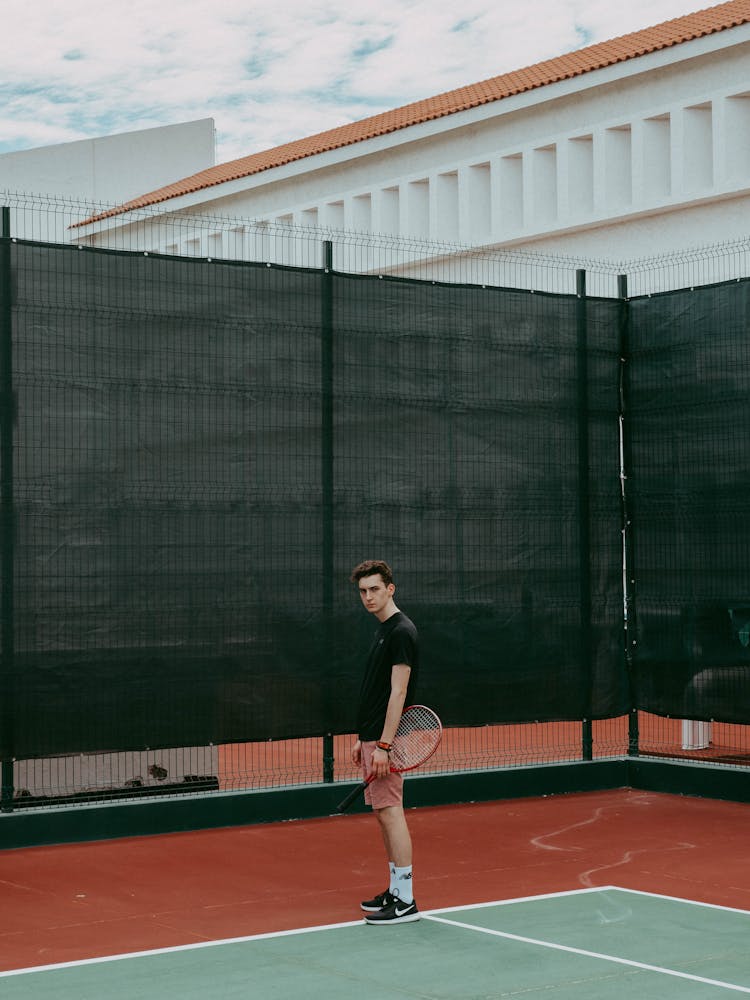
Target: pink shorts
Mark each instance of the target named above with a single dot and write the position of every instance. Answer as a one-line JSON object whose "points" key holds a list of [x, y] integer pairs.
{"points": [[381, 792]]}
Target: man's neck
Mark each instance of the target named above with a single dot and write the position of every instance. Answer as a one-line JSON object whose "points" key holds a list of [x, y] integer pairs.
{"points": [[388, 612]]}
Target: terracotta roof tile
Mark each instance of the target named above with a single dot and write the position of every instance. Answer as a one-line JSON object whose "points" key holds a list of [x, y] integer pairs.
{"points": [[572, 64]]}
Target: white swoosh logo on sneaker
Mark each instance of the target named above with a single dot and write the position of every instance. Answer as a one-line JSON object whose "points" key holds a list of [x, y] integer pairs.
{"points": [[400, 913]]}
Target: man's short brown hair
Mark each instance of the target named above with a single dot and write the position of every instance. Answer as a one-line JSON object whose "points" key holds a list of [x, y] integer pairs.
{"points": [[371, 567]]}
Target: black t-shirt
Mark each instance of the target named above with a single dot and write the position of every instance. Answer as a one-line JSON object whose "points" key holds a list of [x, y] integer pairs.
{"points": [[395, 642]]}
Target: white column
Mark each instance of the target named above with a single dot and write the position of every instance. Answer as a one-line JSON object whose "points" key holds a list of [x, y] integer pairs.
{"points": [[695, 735], [737, 139], [576, 178], [444, 214]]}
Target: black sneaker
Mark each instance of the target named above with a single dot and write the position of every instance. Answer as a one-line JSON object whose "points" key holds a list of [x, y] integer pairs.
{"points": [[376, 904], [394, 912]]}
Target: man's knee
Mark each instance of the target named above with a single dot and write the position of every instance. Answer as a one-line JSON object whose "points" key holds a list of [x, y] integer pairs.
{"points": [[390, 816]]}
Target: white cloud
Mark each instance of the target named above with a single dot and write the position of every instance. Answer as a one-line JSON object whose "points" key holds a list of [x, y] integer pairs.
{"points": [[271, 72]]}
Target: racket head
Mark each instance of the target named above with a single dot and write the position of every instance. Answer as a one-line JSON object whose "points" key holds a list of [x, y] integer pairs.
{"points": [[417, 738]]}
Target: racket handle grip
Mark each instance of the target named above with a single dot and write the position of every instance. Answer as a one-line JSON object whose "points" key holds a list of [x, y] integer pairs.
{"points": [[346, 802]]}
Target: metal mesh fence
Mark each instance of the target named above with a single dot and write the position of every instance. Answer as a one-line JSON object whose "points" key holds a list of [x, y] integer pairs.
{"points": [[688, 461], [193, 235], [688, 269], [56, 782], [111, 441], [189, 233]]}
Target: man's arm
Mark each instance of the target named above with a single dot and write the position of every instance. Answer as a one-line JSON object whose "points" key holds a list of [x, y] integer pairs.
{"points": [[399, 683]]}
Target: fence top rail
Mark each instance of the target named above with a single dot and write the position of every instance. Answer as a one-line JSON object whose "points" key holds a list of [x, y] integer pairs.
{"points": [[61, 219]]}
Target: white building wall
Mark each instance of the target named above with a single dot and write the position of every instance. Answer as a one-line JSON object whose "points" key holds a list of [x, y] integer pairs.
{"points": [[109, 170], [543, 162], [648, 155]]}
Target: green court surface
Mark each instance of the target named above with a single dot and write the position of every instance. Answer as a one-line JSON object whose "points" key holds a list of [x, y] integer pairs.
{"points": [[594, 944]]}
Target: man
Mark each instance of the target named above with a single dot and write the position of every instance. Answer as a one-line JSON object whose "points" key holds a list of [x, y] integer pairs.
{"points": [[387, 686]]}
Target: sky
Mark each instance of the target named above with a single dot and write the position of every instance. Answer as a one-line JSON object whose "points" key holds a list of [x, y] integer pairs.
{"points": [[271, 71]]}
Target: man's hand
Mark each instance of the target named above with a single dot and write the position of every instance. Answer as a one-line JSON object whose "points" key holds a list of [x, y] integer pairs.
{"points": [[380, 763], [357, 753]]}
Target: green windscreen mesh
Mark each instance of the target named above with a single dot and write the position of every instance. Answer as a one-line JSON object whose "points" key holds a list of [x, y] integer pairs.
{"points": [[204, 450], [689, 489]]}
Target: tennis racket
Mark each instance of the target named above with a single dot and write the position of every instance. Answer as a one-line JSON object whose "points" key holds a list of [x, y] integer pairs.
{"points": [[417, 738]]}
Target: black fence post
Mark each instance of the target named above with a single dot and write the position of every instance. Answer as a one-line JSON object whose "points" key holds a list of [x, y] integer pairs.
{"points": [[7, 629], [584, 512], [326, 474], [628, 579]]}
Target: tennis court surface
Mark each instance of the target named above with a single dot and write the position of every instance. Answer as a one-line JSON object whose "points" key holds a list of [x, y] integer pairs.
{"points": [[591, 943]]}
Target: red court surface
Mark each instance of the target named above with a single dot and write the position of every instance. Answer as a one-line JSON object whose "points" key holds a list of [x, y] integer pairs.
{"points": [[77, 901]]}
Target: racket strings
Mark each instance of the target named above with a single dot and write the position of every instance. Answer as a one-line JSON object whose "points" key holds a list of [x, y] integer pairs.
{"points": [[418, 735]]}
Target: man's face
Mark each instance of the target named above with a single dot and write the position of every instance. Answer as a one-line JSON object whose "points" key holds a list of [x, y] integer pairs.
{"points": [[374, 593]]}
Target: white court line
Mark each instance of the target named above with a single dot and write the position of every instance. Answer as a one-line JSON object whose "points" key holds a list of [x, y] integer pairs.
{"points": [[268, 935], [581, 892], [520, 899], [679, 899], [430, 914], [589, 954], [176, 948]]}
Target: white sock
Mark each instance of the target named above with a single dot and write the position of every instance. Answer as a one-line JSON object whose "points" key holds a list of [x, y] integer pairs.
{"points": [[401, 884], [392, 870]]}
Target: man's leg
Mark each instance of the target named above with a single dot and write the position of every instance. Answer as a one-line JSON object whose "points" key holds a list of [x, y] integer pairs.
{"points": [[396, 837], [397, 842], [385, 797]]}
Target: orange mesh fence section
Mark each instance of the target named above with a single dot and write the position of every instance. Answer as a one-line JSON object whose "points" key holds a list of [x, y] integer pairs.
{"points": [[290, 762]]}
